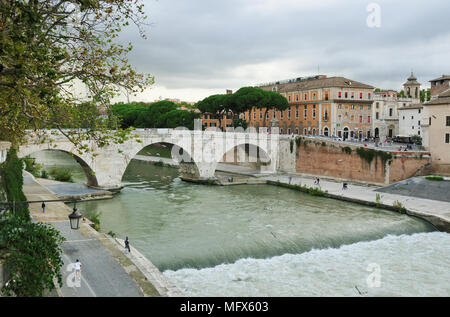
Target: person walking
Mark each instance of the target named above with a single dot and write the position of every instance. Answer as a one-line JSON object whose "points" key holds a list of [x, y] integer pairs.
{"points": [[43, 206], [127, 245], [78, 268]]}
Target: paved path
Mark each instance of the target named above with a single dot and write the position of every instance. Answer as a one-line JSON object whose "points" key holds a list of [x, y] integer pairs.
{"points": [[436, 212], [101, 274], [106, 270]]}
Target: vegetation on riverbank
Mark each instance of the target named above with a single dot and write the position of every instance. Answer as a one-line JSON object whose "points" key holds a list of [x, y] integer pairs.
{"points": [[61, 175], [435, 178], [31, 251]]}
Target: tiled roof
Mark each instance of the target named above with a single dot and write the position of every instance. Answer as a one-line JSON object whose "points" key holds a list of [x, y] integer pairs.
{"points": [[339, 82], [442, 99], [412, 106], [443, 77]]}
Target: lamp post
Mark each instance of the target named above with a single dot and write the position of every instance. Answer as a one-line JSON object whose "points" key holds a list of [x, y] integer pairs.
{"points": [[74, 218]]}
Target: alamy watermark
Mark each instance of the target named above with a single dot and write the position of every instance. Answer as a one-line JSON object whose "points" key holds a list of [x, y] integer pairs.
{"points": [[374, 17], [74, 278], [374, 278]]}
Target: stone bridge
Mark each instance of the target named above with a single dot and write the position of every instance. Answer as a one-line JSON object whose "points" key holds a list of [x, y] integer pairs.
{"points": [[198, 152]]}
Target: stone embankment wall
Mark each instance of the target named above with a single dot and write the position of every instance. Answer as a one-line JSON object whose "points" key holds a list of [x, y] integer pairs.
{"points": [[332, 159]]}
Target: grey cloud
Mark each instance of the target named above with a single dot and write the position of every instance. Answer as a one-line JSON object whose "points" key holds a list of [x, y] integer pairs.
{"points": [[199, 43]]}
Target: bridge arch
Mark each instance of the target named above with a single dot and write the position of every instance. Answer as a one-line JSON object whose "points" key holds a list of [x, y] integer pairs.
{"points": [[188, 166], [83, 162]]}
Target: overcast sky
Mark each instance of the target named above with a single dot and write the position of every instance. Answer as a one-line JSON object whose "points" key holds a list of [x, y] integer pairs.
{"points": [[196, 48]]}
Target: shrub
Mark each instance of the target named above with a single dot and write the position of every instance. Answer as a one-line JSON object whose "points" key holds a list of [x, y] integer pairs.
{"points": [[434, 178], [62, 175], [347, 150], [31, 166], [44, 174], [398, 206], [95, 218], [32, 256], [298, 142]]}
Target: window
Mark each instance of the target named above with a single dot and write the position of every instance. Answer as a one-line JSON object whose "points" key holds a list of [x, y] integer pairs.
{"points": [[289, 115], [419, 124], [274, 114], [254, 115], [390, 112], [305, 132], [339, 106], [412, 117], [340, 118], [360, 119], [370, 95], [353, 95], [281, 114], [447, 121], [289, 131], [314, 111], [377, 115], [306, 96], [296, 131], [378, 105], [369, 107], [352, 118], [296, 113], [368, 119], [360, 95], [260, 114], [361, 107], [326, 96], [420, 110], [267, 115], [447, 138], [305, 112], [353, 107], [296, 97], [340, 95], [346, 95]]}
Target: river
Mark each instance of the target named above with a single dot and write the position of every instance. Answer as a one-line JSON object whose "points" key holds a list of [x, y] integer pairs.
{"points": [[262, 240]]}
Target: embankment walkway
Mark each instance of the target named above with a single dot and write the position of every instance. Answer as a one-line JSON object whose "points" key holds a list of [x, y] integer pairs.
{"points": [[106, 269]]}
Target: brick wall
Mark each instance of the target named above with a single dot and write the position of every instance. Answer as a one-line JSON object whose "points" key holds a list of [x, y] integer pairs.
{"points": [[331, 161]]}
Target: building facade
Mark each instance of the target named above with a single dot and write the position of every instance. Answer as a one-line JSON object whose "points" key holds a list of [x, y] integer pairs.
{"points": [[436, 130], [319, 105]]}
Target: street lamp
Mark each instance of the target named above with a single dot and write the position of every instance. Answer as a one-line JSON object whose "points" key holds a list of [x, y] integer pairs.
{"points": [[74, 218]]}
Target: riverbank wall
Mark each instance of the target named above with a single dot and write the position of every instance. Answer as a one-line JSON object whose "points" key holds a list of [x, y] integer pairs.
{"points": [[352, 162]]}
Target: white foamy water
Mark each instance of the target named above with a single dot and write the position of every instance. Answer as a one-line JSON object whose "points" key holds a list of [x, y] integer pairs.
{"points": [[410, 265]]}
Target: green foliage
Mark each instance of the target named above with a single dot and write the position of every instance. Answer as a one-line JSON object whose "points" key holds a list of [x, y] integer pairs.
{"points": [[298, 141], [399, 206], [425, 95], [369, 154], [32, 256], [238, 122], [44, 52], [378, 200], [61, 174], [159, 163], [435, 178], [324, 144], [112, 234], [95, 218], [416, 139], [291, 145], [314, 191], [12, 182], [161, 114], [347, 150], [44, 174], [31, 166]]}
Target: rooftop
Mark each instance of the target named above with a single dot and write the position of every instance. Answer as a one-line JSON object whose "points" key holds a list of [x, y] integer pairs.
{"points": [[318, 82], [443, 77], [442, 99]]}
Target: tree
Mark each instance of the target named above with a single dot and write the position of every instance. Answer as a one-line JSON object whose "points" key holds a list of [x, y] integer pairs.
{"points": [[425, 95], [32, 256], [215, 105], [48, 48]]}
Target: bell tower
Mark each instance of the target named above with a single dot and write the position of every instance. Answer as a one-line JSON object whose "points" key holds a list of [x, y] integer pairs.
{"points": [[412, 88]]}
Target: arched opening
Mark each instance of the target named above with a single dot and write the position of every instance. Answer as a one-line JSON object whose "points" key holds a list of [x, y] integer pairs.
{"points": [[64, 166], [325, 131], [159, 164], [377, 133], [346, 131], [241, 162]]}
